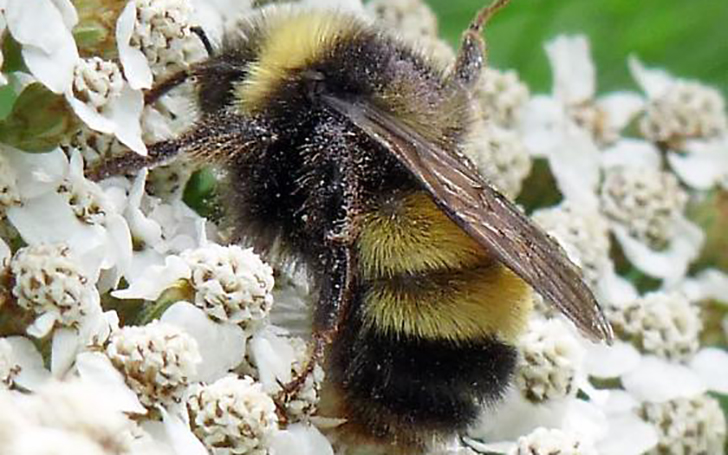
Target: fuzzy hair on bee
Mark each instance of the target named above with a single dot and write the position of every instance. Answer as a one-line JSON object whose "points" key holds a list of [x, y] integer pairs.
{"points": [[342, 144]]}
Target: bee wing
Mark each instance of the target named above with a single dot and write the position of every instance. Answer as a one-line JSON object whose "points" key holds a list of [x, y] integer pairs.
{"points": [[485, 214]]}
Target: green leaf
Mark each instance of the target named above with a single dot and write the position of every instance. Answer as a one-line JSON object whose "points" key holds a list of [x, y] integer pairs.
{"points": [[39, 120], [12, 57]]}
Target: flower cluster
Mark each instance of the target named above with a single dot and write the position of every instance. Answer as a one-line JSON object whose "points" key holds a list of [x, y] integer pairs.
{"points": [[129, 325]]}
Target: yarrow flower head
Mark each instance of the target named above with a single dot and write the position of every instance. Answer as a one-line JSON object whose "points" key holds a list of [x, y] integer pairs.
{"points": [[304, 402], [501, 96], [414, 21], [500, 157], [97, 81], [49, 283], [550, 357], [231, 284], [678, 109], [584, 234], [646, 201], [664, 324], [162, 33], [233, 416], [543, 441], [687, 426], [157, 360]]}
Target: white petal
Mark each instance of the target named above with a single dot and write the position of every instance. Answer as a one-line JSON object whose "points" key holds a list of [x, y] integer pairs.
{"points": [[656, 380], [136, 67], [68, 12], [542, 125], [273, 356], [621, 107], [585, 420], [708, 284], [711, 364], [619, 402], [119, 252], [498, 447], [38, 173], [573, 70], [616, 290], [32, 372], [575, 165], [42, 325], [628, 435], [705, 164], [210, 337], [96, 370], [154, 280], [125, 112], [515, 416], [654, 82], [5, 253], [66, 343], [180, 437], [301, 439], [633, 153], [671, 264], [49, 50], [603, 361], [88, 115]]}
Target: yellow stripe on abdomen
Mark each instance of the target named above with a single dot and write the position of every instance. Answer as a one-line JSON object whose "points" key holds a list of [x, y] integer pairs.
{"points": [[425, 277]]}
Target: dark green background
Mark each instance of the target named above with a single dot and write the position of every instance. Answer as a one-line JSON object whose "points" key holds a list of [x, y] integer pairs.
{"points": [[689, 38]]}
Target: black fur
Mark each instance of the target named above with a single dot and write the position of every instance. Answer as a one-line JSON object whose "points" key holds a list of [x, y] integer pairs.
{"points": [[400, 387]]}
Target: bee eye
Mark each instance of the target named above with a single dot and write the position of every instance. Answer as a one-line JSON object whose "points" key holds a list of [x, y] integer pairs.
{"points": [[314, 83]]}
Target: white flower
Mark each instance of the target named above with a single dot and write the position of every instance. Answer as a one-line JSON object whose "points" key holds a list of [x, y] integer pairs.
{"points": [[500, 156], [49, 283], [677, 109], [43, 28], [303, 403], [48, 186], [583, 233], [157, 361], [230, 283], [687, 426], [70, 417], [549, 360], [664, 324], [646, 201], [105, 103], [552, 442], [501, 96], [293, 300], [161, 33], [233, 416], [409, 17]]}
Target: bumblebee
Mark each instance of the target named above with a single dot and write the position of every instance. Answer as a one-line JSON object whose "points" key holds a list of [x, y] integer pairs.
{"points": [[343, 145]]}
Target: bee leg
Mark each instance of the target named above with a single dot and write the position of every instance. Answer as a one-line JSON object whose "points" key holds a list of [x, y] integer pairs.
{"points": [[471, 55], [215, 137], [337, 290]]}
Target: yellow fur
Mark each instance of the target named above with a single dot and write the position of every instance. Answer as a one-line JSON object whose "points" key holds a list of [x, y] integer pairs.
{"points": [[455, 305], [410, 234], [430, 279], [294, 40]]}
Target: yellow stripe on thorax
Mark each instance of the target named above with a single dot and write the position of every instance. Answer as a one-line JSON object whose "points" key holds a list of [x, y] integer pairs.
{"points": [[294, 40]]}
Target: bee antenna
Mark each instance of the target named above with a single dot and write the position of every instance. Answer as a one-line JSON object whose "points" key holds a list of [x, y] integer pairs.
{"points": [[197, 30], [486, 13]]}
